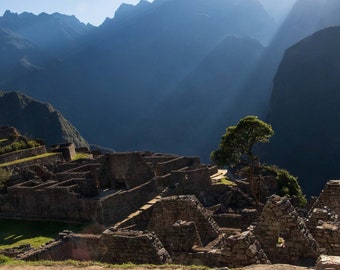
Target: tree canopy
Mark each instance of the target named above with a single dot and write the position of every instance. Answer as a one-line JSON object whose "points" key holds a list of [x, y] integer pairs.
{"points": [[236, 146], [236, 150]]}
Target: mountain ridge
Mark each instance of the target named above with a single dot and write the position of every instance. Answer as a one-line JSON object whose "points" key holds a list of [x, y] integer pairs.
{"points": [[37, 120]]}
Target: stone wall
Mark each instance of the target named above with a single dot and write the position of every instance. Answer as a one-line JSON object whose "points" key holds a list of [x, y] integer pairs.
{"points": [[176, 164], [50, 200], [235, 251], [81, 247], [330, 197], [114, 247], [328, 237], [242, 250], [283, 234], [126, 170], [169, 210], [132, 246], [22, 154], [68, 150], [116, 207], [325, 228], [67, 200], [240, 220], [183, 236], [191, 181]]}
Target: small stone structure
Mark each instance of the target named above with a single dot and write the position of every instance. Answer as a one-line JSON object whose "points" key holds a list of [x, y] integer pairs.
{"points": [[243, 249], [68, 150], [170, 210], [127, 170], [111, 246], [283, 234], [132, 246]]}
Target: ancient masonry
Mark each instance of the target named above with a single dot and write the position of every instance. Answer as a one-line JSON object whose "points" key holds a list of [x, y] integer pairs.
{"points": [[161, 208]]}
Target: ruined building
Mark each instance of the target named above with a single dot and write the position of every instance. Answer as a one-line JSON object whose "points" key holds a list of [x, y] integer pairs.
{"points": [[162, 208]]}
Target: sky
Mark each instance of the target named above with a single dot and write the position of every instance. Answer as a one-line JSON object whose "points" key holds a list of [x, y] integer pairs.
{"points": [[95, 11], [278, 9], [87, 11]]}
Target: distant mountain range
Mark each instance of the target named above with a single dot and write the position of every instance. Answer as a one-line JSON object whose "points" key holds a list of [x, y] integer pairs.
{"points": [[165, 76], [122, 70], [37, 120]]}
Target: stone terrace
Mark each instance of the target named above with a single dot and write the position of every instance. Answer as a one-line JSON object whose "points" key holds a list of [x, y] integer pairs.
{"points": [[162, 208]]}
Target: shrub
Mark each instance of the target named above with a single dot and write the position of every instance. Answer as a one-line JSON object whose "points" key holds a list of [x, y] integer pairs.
{"points": [[18, 145], [287, 184]]}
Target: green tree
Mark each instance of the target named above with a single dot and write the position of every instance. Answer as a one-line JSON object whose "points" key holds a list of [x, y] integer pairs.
{"points": [[236, 147]]}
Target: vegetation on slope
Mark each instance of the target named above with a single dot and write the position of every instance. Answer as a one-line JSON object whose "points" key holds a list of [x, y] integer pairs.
{"points": [[236, 150], [18, 145]]}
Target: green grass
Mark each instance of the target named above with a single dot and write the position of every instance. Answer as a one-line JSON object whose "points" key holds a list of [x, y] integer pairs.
{"points": [[18, 161], [18, 145], [14, 233], [9, 261], [82, 155], [225, 181]]}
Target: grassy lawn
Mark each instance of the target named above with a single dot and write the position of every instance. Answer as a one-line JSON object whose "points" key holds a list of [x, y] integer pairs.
{"points": [[27, 159], [14, 233]]}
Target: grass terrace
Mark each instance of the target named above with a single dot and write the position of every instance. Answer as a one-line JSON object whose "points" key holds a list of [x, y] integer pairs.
{"points": [[18, 161], [14, 233], [82, 155], [18, 145]]}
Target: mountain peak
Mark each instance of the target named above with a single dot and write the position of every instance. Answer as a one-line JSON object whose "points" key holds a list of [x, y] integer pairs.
{"points": [[37, 119]]}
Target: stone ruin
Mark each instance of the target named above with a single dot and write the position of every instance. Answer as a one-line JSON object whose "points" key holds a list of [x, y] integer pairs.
{"points": [[161, 208], [323, 219], [284, 235]]}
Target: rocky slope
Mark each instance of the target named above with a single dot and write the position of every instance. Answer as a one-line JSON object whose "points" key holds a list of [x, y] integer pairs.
{"points": [[37, 120], [304, 110]]}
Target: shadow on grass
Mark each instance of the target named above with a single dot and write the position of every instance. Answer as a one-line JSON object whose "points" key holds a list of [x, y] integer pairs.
{"points": [[18, 232]]}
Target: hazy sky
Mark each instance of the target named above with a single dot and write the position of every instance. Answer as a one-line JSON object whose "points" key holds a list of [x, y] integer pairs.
{"points": [[92, 11], [278, 9], [95, 11]]}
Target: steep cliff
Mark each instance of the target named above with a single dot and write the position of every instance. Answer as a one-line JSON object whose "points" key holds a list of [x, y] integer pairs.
{"points": [[304, 110], [36, 119]]}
